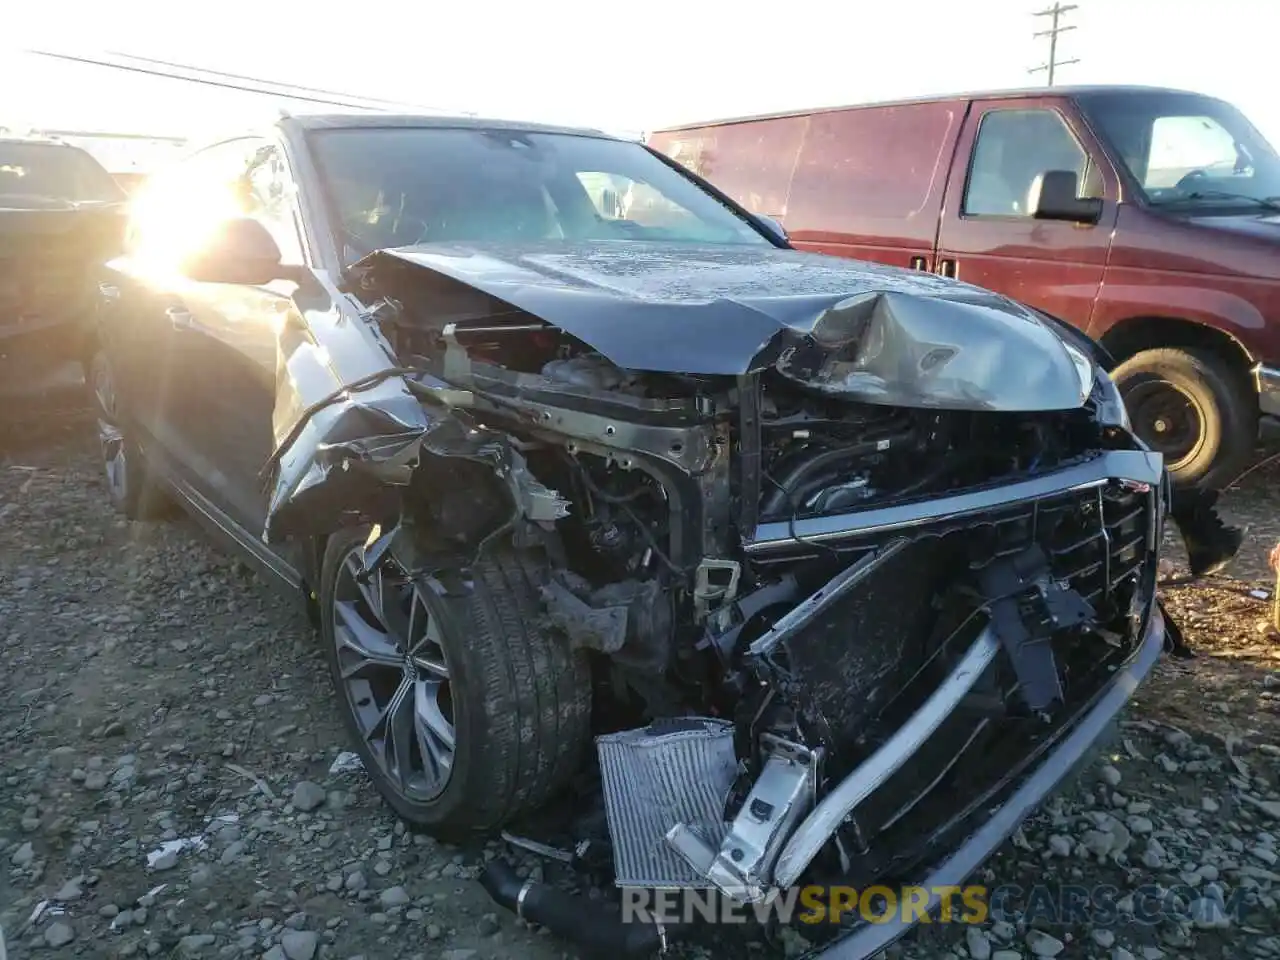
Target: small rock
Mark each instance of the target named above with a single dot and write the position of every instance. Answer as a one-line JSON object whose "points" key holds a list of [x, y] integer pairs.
{"points": [[1270, 807], [977, 942], [1060, 846], [166, 861], [1006, 955], [1265, 854], [1153, 856], [1109, 775], [488, 925], [71, 890], [1097, 842], [307, 796], [23, 855], [1044, 945], [95, 780], [356, 882], [394, 897], [465, 954], [59, 934], [234, 849], [1206, 913], [1140, 825], [1209, 805], [1120, 953], [195, 944], [299, 944], [1103, 937]]}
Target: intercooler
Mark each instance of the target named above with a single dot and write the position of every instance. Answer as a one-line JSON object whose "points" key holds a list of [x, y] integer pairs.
{"points": [[875, 656]]}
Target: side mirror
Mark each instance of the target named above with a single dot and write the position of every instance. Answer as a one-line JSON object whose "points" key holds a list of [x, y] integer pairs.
{"points": [[239, 250], [1054, 195], [773, 227]]}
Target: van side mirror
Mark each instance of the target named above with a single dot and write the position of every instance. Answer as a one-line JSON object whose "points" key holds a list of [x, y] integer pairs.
{"points": [[239, 250], [1054, 195], [773, 227]]}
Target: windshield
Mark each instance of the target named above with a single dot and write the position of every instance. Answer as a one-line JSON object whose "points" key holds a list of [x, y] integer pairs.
{"points": [[392, 186], [1187, 149], [55, 172]]}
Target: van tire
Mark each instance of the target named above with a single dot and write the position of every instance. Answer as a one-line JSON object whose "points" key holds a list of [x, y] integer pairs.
{"points": [[1202, 398]]}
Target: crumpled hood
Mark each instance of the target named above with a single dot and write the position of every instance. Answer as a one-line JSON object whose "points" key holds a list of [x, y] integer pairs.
{"points": [[870, 332]]}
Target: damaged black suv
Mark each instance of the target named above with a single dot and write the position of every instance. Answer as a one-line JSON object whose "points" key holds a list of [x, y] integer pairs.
{"points": [[841, 567]]}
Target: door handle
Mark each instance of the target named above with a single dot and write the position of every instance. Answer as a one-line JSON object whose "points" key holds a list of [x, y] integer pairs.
{"points": [[948, 268], [181, 318]]}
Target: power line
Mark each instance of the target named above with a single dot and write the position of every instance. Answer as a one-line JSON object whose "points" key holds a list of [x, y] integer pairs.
{"points": [[274, 83], [225, 85], [1056, 12]]}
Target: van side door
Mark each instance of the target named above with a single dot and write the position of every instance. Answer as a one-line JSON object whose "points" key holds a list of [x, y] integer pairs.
{"points": [[869, 182], [988, 236]]}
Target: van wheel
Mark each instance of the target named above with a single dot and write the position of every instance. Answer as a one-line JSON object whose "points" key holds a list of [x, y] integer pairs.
{"points": [[465, 707], [1195, 409], [129, 485]]}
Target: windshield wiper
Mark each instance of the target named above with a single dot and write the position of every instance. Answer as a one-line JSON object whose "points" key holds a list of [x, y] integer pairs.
{"points": [[1270, 203]]}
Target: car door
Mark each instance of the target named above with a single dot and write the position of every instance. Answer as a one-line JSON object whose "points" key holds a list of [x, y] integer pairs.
{"points": [[225, 345], [141, 300], [989, 237]]}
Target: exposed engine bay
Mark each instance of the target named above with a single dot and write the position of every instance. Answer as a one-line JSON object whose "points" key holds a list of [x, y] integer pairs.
{"points": [[833, 615]]}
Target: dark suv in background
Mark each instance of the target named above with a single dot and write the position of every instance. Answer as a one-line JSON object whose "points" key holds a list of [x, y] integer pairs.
{"points": [[61, 217]]}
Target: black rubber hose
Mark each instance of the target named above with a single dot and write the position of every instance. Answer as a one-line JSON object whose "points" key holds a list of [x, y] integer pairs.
{"points": [[785, 490], [572, 918]]}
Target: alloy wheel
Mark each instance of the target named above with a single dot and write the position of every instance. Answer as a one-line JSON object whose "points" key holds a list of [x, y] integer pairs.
{"points": [[394, 673], [114, 459]]}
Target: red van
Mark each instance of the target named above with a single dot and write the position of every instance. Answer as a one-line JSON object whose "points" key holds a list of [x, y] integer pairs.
{"points": [[1148, 218]]}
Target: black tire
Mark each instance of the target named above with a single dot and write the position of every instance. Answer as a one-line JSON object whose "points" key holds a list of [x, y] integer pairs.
{"points": [[130, 487], [519, 696], [1195, 407]]}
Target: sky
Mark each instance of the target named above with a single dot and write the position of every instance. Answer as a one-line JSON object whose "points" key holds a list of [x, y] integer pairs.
{"points": [[621, 68]]}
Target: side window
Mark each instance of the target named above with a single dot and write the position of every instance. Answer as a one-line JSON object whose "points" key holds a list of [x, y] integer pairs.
{"points": [[1181, 144], [1013, 147], [269, 199], [179, 205], [246, 177]]}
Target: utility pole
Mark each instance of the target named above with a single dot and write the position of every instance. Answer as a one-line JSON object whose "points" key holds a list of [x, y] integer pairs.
{"points": [[1056, 12]]}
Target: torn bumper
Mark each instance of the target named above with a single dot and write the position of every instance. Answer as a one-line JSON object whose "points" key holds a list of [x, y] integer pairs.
{"points": [[1268, 379], [1074, 743]]}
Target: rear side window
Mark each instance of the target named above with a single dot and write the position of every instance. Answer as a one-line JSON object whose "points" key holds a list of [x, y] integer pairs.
{"points": [[883, 163], [751, 162], [1012, 149], [54, 172]]}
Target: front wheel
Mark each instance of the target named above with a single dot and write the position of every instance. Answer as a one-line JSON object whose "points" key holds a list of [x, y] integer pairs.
{"points": [[465, 708], [1192, 407], [129, 485]]}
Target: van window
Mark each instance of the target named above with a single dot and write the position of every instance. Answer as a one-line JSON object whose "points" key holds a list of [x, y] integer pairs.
{"points": [[874, 163], [1186, 150], [1013, 148]]}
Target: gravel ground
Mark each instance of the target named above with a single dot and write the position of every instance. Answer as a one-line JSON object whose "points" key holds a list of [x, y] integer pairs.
{"points": [[167, 736]]}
